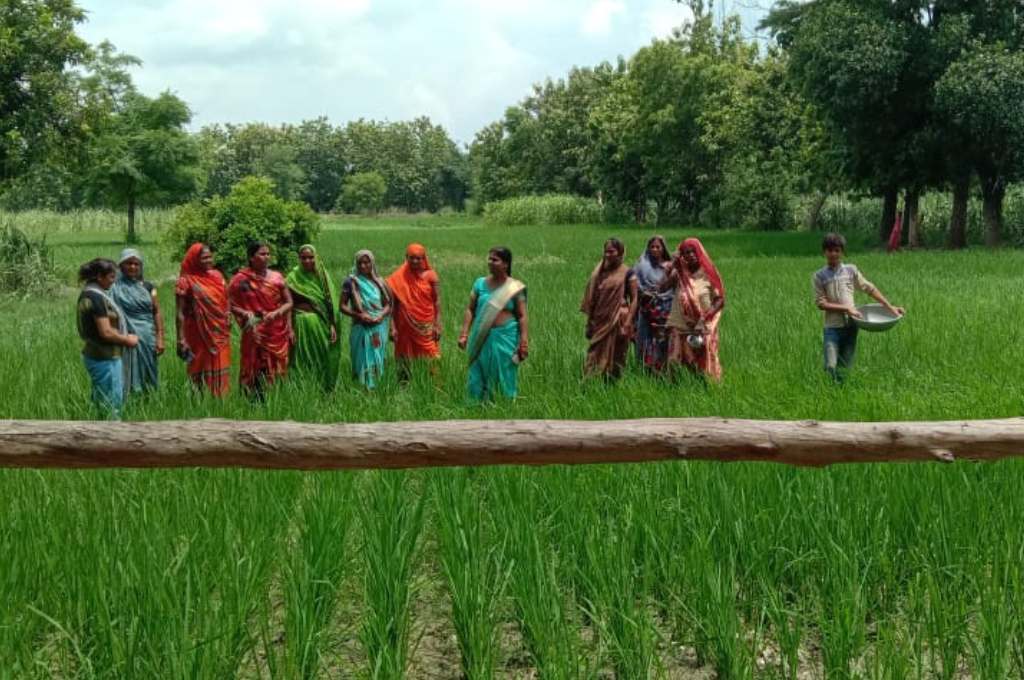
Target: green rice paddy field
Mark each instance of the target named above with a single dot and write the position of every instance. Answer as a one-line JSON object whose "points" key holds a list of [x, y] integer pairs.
{"points": [[677, 570]]}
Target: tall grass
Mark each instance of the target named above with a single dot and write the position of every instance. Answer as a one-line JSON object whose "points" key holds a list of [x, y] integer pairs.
{"points": [[565, 572], [541, 210], [391, 517]]}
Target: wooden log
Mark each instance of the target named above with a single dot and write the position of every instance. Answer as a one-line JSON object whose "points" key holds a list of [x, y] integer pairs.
{"points": [[309, 446]]}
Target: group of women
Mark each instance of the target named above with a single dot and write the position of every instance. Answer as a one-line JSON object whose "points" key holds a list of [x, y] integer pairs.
{"points": [[667, 304], [291, 323]]}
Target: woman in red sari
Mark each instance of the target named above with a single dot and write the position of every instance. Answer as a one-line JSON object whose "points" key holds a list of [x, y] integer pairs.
{"points": [[416, 318], [204, 321], [261, 304], [696, 310]]}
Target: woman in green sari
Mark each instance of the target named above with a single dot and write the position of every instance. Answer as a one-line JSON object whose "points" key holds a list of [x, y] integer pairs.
{"points": [[498, 340], [315, 350], [366, 298]]}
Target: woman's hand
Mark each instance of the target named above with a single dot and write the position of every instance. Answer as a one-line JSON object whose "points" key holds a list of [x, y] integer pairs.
{"points": [[463, 340], [334, 335], [131, 340], [523, 350], [161, 346]]}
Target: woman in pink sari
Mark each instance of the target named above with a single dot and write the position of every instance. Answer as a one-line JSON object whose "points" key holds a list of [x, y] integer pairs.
{"points": [[261, 304], [696, 311]]}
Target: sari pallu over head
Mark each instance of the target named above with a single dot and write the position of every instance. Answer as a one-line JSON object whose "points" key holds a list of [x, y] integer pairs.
{"points": [[413, 289], [691, 307], [316, 287], [136, 301], [370, 294], [209, 316], [649, 274]]}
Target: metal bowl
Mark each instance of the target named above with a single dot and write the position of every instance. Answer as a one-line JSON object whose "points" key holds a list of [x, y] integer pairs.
{"points": [[876, 318]]}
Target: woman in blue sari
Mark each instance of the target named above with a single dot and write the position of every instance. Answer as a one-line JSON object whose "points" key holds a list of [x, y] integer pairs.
{"points": [[498, 341], [651, 305], [138, 299], [366, 298]]}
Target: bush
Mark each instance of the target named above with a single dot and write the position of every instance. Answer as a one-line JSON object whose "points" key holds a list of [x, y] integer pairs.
{"points": [[540, 210], [250, 212], [26, 264], [362, 192]]}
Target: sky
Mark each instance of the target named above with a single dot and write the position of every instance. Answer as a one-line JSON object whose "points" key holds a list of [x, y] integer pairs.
{"points": [[460, 62]]}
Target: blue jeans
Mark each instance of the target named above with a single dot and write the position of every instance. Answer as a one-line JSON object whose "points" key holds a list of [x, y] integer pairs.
{"points": [[840, 347], [107, 377]]}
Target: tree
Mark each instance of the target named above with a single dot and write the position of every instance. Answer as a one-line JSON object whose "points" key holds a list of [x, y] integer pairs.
{"points": [[38, 45], [868, 68], [144, 156], [363, 192], [249, 212], [982, 94]]}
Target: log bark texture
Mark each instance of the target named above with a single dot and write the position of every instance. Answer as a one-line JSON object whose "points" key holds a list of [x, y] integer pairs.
{"points": [[309, 446]]}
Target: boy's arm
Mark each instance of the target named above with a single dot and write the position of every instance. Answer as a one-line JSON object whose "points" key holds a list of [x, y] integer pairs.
{"points": [[877, 295], [872, 290]]}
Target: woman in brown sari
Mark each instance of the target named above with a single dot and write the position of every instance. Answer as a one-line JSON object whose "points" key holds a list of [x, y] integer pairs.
{"points": [[606, 305]]}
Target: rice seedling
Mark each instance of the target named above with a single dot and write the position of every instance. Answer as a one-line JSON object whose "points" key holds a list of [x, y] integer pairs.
{"points": [[852, 571]]}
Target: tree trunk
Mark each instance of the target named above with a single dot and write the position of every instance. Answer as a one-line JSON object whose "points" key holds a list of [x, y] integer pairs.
{"points": [[813, 222], [911, 211], [993, 189], [889, 200], [958, 217], [310, 446], [131, 238]]}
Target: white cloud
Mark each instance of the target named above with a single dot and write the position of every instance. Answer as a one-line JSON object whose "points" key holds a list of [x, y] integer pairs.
{"points": [[461, 62], [598, 19], [663, 17]]}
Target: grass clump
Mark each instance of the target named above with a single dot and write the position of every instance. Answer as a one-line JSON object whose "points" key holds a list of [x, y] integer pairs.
{"points": [[26, 264], [555, 209]]}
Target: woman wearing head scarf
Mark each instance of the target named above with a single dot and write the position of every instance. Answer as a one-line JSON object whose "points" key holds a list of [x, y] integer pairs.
{"points": [[696, 311], [316, 351], [650, 305], [102, 327], [365, 297], [137, 299], [605, 302], [261, 305], [498, 340], [416, 297], [204, 322]]}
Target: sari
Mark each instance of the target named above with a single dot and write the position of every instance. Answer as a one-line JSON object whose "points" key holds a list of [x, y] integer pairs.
{"points": [[493, 350], [696, 294], [367, 342], [603, 304], [313, 353], [135, 298], [415, 309], [264, 356], [653, 307], [207, 328]]}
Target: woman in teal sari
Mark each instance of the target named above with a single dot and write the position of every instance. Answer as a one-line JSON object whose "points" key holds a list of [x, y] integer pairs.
{"points": [[315, 349], [497, 342], [366, 298], [137, 298]]}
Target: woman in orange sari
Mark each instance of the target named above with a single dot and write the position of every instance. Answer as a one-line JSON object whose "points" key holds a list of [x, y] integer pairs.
{"points": [[261, 304], [696, 310], [204, 322], [416, 294]]}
